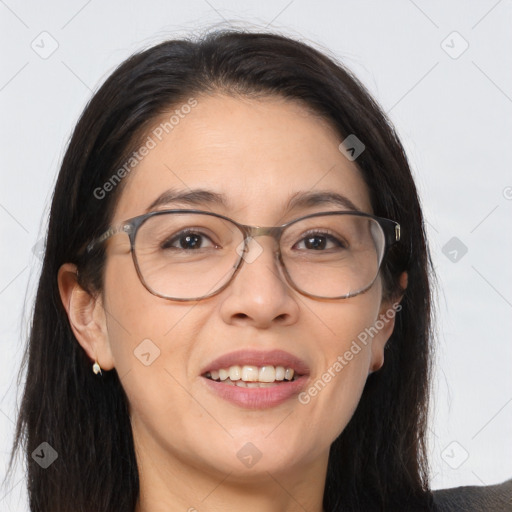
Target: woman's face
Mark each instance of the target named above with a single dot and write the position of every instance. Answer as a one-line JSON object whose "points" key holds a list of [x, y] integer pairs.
{"points": [[258, 154]]}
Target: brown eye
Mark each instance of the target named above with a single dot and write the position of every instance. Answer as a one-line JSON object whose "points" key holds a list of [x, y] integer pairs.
{"points": [[187, 241], [319, 242]]}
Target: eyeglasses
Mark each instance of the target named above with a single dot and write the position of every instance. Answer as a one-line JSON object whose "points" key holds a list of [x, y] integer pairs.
{"points": [[186, 255]]}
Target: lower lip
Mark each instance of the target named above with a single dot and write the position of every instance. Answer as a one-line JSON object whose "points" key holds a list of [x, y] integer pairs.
{"points": [[257, 398]]}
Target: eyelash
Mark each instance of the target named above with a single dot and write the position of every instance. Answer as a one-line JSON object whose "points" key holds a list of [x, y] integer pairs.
{"points": [[327, 234], [177, 236]]}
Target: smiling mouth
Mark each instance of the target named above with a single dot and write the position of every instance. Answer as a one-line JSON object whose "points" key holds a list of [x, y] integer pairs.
{"points": [[251, 376]]}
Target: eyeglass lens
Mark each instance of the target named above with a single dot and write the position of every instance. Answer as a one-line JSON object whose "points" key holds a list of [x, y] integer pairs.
{"points": [[193, 255]]}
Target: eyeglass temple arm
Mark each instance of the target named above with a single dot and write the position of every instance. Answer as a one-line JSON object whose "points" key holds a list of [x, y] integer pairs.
{"points": [[392, 230], [111, 231]]}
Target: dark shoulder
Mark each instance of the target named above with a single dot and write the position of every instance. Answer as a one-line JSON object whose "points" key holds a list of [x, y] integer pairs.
{"points": [[489, 498]]}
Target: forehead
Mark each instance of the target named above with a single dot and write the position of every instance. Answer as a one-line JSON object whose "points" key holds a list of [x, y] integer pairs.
{"points": [[256, 154]]}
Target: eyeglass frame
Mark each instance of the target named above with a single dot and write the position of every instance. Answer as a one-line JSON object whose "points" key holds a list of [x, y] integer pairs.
{"points": [[390, 229]]}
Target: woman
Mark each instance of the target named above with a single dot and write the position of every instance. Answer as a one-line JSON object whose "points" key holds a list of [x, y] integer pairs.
{"points": [[181, 359]]}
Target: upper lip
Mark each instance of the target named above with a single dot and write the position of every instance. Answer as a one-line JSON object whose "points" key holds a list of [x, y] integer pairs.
{"points": [[258, 358]]}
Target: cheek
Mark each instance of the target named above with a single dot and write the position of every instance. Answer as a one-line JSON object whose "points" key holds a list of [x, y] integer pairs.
{"points": [[152, 341], [335, 389], [133, 313], [150, 338]]}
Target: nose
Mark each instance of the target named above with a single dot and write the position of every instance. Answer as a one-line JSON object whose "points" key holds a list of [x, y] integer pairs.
{"points": [[259, 295]]}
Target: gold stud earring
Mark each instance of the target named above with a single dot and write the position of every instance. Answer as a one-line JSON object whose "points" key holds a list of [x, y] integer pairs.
{"points": [[96, 368]]}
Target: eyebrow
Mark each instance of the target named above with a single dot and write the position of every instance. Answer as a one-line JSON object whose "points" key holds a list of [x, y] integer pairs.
{"points": [[192, 197], [198, 197], [320, 198]]}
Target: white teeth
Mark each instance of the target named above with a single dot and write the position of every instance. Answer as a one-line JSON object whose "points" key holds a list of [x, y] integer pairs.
{"points": [[242, 384], [267, 374], [288, 375], [280, 371], [250, 373], [235, 373], [240, 375]]}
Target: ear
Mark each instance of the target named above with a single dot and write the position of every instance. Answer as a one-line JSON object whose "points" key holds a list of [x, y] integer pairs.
{"points": [[384, 325], [86, 317]]}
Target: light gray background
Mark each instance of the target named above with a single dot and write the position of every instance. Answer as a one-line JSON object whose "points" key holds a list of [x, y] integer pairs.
{"points": [[452, 109]]}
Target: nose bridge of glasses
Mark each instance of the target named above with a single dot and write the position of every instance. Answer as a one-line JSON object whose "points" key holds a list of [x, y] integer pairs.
{"points": [[251, 232], [254, 231]]}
